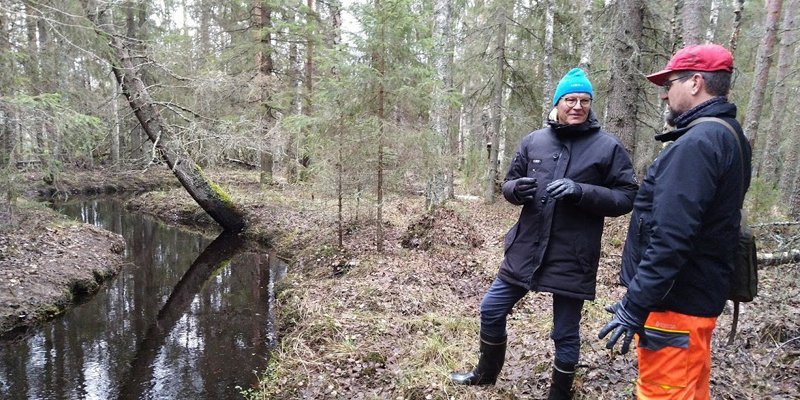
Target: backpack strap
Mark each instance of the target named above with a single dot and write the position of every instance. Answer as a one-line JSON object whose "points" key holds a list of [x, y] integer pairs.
{"points": [[738, 144]]}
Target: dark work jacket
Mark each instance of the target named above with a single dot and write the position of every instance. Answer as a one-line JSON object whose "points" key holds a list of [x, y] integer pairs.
{"points": [[555, 245], [684, 229]]}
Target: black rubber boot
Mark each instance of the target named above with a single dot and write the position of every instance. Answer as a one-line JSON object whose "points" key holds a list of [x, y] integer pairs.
{"points": [[493, 355], [561, 384]]}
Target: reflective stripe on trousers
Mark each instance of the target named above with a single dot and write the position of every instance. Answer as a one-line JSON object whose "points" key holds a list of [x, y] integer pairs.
{"points": [[676, 363]]}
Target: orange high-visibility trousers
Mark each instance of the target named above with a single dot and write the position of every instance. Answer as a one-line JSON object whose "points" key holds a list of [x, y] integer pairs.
{"points": [[676, 362]]}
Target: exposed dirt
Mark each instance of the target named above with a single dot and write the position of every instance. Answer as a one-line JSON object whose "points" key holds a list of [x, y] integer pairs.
{"points": [[356, 323], [48, 262]]}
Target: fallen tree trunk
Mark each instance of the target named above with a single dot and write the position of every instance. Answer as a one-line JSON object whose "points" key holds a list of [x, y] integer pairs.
{"points": [[786, 257], [205, 192]]}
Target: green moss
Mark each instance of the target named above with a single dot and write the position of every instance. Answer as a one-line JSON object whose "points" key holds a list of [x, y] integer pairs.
{"points": [[219, 193]]}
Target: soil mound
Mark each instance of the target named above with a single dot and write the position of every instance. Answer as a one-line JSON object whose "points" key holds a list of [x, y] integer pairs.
{"points": [[441, 228]]}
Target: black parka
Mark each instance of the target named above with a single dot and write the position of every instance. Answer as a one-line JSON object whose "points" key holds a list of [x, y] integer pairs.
{"points": [[684, 229], [555, 245]]}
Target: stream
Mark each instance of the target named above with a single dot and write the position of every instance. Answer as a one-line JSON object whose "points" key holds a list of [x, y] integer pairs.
{"points": [[188, 317]]}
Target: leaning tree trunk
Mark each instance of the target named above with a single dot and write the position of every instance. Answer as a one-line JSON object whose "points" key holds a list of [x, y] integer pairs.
{"points": [[205, 192]]}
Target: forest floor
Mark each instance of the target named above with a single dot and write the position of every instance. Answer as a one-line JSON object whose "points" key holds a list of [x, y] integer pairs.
{"points": [[360, 324]]}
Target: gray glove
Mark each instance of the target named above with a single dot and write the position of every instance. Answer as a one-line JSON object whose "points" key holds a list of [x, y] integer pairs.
{"points": [[564, 188], [525, 189], [623, 322]]}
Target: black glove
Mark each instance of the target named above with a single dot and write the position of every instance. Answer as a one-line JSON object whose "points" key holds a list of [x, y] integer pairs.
{"points": [[623, 322], [564, 188], [525, 189]]}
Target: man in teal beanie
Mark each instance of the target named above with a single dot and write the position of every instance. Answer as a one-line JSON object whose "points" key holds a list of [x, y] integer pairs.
{"points": [[575, 81], [568, 177]]}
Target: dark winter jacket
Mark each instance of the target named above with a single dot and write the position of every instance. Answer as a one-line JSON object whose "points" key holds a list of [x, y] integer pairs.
{"points": [[684, 229], [555, 245]]}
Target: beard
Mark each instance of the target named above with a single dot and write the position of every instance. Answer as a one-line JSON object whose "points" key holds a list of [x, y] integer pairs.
{"points": [[671, 115]]}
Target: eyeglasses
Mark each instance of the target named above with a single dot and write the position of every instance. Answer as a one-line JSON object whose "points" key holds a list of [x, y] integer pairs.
{"points": [[667, 85], [572, 101]]}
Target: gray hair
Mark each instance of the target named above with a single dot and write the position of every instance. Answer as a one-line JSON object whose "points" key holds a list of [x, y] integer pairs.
{"points": [[718, 83]]}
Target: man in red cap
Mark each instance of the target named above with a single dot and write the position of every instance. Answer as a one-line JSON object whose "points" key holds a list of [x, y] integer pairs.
{"points": [[683, 234]]}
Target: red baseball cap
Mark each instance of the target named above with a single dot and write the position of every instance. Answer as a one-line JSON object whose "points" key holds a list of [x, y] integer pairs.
{"points": [[701, 57]]}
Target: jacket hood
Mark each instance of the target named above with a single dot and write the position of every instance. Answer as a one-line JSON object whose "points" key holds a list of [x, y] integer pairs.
{"points": [[590, 125], [715, 107]]}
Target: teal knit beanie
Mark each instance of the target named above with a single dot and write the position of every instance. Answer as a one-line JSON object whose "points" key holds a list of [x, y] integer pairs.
{"points": [[575, 81]]}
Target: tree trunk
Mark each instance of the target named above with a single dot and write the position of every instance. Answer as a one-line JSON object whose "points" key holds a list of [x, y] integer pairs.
{"points": [[497, 105], [294, 79], [6, 132], [789, 183], [791, 173], [737, 25], [587, 39], [794, 201], [713, 18], [436, 188], [380, 61], [206, 193], [115, 133], [6, 138], [265, 67], [761, 74], [693, 17], [308, 80], [624, 93], [676, 26], [547, 60], [205, 28], [453, 110], [771, 149], [339, 184]]}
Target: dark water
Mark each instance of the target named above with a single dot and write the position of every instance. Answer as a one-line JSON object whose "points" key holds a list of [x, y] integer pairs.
{"points": [[189, 318]]}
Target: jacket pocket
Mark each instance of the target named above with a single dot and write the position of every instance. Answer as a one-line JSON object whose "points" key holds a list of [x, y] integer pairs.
{"points": [[665, 357]]}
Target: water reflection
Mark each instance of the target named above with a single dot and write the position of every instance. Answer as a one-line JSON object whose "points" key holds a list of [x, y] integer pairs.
{"points": [[190, 318]]}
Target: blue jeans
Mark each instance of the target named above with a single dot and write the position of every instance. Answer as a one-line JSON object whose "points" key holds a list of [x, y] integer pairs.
{"points": [[501, 298]]}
